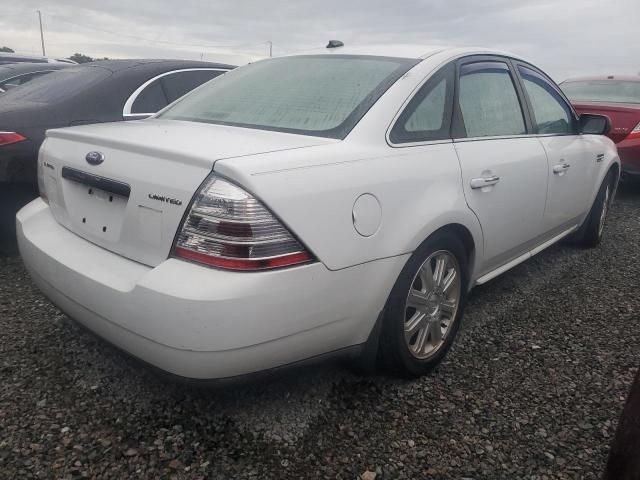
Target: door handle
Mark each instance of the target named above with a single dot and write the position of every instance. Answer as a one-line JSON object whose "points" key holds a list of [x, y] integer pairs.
{"points": [[563, 167], [481, 182]]}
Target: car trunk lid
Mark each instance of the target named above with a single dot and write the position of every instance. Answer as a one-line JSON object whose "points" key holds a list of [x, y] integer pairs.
{"points": [[126, 186]]}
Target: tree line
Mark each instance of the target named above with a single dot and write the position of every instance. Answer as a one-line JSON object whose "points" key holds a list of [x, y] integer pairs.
{"points": [[76, 57]]}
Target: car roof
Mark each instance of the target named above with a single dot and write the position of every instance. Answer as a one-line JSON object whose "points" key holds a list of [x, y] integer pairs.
{"points": [[613, 78], [151, 64], [416, 51], [12, 69], [115, 79], [36, 58]]}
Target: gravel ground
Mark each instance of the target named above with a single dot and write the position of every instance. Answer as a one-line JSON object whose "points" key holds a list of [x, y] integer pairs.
{"points": [[532, 389]]}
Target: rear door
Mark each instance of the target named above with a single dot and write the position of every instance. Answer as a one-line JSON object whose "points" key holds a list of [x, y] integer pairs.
{"points": [[504, 169], [572, 165]]}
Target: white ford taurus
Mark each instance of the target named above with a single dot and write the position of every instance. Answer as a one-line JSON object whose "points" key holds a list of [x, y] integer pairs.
{"points": [[341, 201]]}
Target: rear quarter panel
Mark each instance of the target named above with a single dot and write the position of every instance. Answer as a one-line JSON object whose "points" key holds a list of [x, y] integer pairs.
{"points": [[313, 191]]}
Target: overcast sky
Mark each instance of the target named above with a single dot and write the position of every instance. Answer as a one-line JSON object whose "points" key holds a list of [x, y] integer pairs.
{"points": [[565, 38]]}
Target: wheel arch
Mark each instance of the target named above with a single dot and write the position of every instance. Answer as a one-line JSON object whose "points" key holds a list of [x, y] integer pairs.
{"points": [[464, 235], [465, 226], [471, 244]]}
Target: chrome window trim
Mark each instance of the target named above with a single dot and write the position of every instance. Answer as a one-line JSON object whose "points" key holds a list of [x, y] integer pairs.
{"points": [[420, 144], [524, 135], [126, 110], [494, 137]]}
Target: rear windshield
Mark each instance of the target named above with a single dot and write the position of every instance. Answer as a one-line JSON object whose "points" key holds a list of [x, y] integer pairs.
{"points": [[319, 95], [602, 91], [59, 85]]}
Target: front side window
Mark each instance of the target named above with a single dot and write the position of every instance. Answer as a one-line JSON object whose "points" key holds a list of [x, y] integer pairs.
{"points": [[610, 91], [320, 95], [488, 100], [552, 114], [428, 114]]}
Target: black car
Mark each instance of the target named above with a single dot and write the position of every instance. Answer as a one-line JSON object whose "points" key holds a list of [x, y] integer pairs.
{"points": [[103, 91], [16, 74]]}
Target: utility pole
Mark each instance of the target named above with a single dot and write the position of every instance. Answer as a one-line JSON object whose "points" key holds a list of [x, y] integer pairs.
{"points": [[270, 48], [41, 34]]}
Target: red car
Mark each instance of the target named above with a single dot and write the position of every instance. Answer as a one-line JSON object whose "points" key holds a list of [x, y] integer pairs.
{"points": [[617, 97]]}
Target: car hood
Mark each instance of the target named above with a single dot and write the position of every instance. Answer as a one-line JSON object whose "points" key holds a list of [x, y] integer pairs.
{"points": [[611, 107], [623, 116]]}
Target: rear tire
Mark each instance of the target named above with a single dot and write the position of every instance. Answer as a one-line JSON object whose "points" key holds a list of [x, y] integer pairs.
{"points": [[424, 310], [590, 234], [12, 198]]}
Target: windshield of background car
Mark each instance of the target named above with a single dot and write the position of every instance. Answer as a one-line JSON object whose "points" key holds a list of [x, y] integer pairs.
{"points": [[57, 86], [609, 91], [319, 95]]}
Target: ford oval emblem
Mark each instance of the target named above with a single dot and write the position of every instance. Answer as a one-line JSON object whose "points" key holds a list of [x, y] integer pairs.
{"points": [[94, 158]]}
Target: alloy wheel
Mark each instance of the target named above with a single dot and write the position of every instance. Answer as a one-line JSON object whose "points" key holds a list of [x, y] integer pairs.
{"points": [[432, 304], [605, 209]]}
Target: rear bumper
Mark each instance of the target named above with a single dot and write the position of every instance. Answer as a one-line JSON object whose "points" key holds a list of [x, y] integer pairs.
{"points": [[629, 152], [199, 322]]}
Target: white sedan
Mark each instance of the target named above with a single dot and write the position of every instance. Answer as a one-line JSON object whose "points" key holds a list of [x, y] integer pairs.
{"points": [[338, 202]]}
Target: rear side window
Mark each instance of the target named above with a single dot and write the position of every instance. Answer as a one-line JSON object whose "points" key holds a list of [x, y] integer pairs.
{"points": [[151, 99], [428, 114], [180, 83], [21, 80], [60, 85], [488, 100], [551, 113]]}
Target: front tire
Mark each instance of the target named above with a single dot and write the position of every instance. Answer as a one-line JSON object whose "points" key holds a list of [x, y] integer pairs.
{"points": [[590, 234], [425, 307]]}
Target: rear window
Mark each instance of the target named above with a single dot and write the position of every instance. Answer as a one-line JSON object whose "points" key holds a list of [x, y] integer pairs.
{"points": [[320, 95], [602, 91], [59, 85]]}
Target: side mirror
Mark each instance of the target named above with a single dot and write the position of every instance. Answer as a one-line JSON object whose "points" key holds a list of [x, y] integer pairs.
{"points": [[591, 124]]}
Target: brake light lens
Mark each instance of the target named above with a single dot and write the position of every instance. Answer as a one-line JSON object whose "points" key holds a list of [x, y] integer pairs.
{"points": [[7, 138], [227, 227], [635, 133]]}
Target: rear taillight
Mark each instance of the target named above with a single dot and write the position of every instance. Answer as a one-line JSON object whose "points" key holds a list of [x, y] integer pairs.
{"points": [[227, 227], [7, 138], [635, 133]]}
